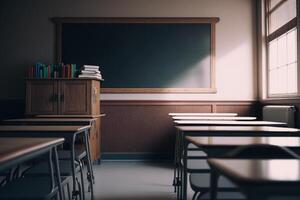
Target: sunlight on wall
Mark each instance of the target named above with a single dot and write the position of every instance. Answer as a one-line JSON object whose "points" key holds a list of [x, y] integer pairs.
{"points": [[235, 79], [194, 75]]}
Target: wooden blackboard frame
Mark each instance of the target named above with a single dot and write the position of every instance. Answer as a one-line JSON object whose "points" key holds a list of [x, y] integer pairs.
{"points": [[212, 21]]}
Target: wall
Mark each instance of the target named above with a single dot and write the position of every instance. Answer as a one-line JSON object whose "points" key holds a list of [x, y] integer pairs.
{"points": [[27, 36]]}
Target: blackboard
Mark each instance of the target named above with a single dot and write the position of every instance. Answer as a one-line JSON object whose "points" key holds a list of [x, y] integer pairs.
{"points": [[143, 55]]}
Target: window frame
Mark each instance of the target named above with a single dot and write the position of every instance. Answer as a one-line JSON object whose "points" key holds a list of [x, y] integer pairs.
{"points": [[293, 23]]}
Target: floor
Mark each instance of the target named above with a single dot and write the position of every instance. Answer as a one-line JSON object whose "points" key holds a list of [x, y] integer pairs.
{"points": [[129, 180], [134, 181]]}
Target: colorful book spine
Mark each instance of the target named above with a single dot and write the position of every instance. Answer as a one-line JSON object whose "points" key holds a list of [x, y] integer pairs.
{"points": [[49, 71]]}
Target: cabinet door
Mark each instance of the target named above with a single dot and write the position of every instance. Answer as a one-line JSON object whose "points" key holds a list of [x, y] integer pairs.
{"points": [[75, 97], [41, 97]]}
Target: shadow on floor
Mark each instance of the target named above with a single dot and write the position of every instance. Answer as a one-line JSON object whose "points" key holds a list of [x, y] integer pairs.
{"points": [[138, 198]]}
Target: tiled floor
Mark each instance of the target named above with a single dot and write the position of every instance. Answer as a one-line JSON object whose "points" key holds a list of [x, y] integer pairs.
{"points": [[134, 181], [120, 180]]}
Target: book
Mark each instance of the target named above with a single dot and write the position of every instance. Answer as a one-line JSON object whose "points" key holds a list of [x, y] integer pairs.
{"points": [[91, 67], [89, 72], [41, 70], [92, 77], [73, 66]]}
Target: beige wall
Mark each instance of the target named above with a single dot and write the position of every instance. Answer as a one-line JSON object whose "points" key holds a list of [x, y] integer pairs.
{"points": [[27, 36]]}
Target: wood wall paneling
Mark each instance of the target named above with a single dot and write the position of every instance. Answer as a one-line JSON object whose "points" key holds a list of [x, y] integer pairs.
{"points": [[145, 127], [242, 108]]}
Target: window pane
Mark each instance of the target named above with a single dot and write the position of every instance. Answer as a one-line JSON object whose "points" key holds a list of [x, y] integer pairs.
{"points": [[273, 76], [274, 3], [292, 46], [273, 54], [282, 15], [292, 78], [282, 80], [282, 50]]}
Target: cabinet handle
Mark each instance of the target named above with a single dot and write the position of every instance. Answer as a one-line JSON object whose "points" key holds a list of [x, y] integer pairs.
{"points": [[62, 98], [54, 97]]}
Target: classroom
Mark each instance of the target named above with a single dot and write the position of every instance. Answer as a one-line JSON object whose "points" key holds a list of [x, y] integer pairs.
{"points": [[150, 100]]}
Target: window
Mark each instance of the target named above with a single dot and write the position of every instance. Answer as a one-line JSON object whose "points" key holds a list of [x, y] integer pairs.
{"points": [[281, 26]]}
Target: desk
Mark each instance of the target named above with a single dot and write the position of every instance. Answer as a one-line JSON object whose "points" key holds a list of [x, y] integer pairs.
{"points": [[219, 146], [198, 118], [67, 132], [212, 127], [259, 178], [207, 126], [69, 116], [14, 151], [227, 123], [24, 129], [237, 131], [50, 121], [205, 114], [231, 131], [94, 134]]}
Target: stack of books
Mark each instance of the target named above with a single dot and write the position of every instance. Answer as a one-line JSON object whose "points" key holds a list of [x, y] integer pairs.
{"points": [[90, 71], [41, 70]]}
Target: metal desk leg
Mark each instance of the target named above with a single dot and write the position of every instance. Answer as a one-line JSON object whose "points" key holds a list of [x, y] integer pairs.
{"points": [[87, 135], [89, 163], [180, 158], [57, 172], [75, 192], [213, 184], [180, 166], [184, 178], [180, 183], [176, 164], [89, 155]]}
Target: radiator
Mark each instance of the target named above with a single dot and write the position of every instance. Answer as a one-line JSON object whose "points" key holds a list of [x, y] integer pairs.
{"points": [[280, 113]]}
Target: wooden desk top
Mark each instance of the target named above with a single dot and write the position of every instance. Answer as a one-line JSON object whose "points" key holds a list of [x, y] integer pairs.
{"points": [[198, 118], [51, 120], [258, 170], [204, 114], [207, 142], [228, 123], [71, 116], [28, 128], [231, 129], [14, 148]]}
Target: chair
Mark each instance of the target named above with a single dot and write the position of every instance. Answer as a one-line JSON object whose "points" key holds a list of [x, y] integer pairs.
{"points": [[196, 162], [41, 169], [31, 188], [80, 156], [200, 184]]}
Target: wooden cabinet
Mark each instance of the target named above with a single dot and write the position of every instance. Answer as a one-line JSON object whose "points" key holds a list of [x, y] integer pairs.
{"points": [[75, 97], [63, 97], [67, 98], [95, 139], [41, 97]]}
